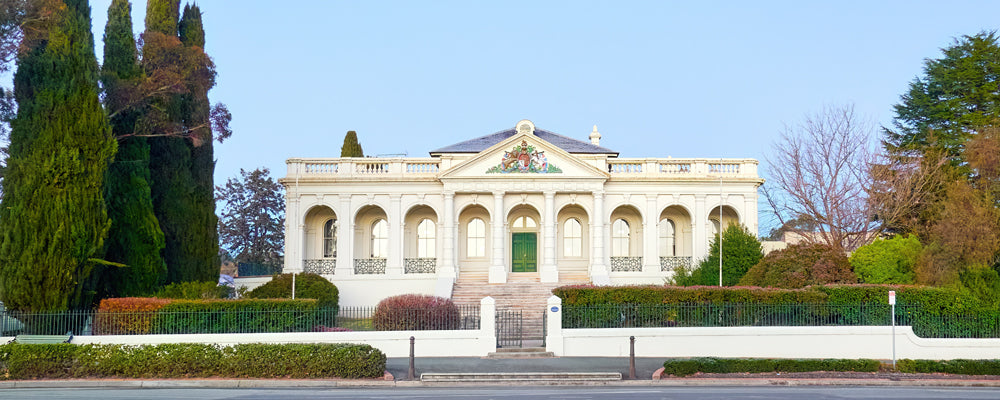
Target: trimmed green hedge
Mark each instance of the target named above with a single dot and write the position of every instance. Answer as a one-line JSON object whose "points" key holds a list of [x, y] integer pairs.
{"points": [[237, 316], [58, 361], [689, 366], [964, 367]]}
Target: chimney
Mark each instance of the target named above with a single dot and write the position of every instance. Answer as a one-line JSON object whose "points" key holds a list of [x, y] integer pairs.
{"points": [[595, 137]]}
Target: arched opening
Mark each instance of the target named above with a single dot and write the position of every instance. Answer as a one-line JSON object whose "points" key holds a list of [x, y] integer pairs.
{"points": [[371, 240], [420, 241], [675, 244], [626, 239], [320, 241], [474, 242], [729, 216], [524, 254]]}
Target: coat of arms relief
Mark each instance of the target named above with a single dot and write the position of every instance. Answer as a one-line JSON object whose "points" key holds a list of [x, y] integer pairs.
{"points": [[524, 158]]}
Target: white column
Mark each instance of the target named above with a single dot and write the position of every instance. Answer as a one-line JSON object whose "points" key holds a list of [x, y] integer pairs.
{"points": [[345, 238], [553, 326], [446, 267], [598, 264], [549, 272], [700, 221], [650, 235], [498, 269], [750, 213], [294, 243], [488, 325], [394, 265]]}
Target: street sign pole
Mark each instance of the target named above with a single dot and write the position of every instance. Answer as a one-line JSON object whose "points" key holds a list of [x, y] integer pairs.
{"points": [[892, 302]]}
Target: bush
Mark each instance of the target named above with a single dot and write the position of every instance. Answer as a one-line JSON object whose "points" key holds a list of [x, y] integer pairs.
{"points": [[415, 312], [889, 261], [190, 360], [137, 315], [685, 367], [799, 266], [740, 251], [194, 291], [307, 286], [964, 367], [127, 315]]}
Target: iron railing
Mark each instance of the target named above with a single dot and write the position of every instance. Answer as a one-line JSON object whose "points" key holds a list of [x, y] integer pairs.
{"points": [[85, 323], [924, 323]]}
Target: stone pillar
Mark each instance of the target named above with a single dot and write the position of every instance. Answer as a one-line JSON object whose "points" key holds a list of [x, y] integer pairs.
{"points": [[447, 271], [294, 245], [553, 326], [488, 325], [650, 237], [700, 222], [345, 237], [750, 213], [598, 262], [549, 272], [498, 269], [394, 263]]}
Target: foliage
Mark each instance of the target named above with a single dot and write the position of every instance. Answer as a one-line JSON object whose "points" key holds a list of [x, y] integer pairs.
{"points": [[130, 316], [415, 312], [887, 260], [800, 265], [594, 295], [351, 147], [957, 94], [981, 282], [959, 366], [740, 251], [135, 238], [127, 315], [190, 360], [818, 173], [52, 216], [966, 232], [193, 291], [253, 218], [307, 286], [689, 366]]}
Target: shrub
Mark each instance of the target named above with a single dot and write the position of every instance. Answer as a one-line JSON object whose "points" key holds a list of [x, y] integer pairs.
{"points": [[194, 291], [187, 360], [236, 316], [307, 286], [127, 315], [964, 367], [740, 251], [685, 367], [801, 265], [415, 312], [887, 260]]}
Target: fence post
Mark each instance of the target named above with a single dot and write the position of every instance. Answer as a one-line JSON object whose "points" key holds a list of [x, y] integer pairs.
{"points": [[411, 372], [553, 326], [488, 325], [631, 357]]}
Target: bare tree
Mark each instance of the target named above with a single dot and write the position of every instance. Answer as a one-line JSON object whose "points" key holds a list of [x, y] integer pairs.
{"points": [[819, 171]]}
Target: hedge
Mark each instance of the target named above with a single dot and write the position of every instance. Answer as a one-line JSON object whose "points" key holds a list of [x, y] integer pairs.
{"points": [[415, 312], [689, 366], [190, 360], [130, 316], [963, 367]]}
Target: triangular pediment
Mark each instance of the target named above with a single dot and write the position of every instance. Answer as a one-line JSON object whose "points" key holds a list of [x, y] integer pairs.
{"points": [[524, 156]]}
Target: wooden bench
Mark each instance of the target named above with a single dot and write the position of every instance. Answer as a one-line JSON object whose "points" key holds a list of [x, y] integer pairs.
{"points": [[43, 339]]}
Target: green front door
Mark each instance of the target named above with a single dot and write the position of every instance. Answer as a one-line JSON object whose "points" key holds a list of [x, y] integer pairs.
{"points": [[523, 252]]}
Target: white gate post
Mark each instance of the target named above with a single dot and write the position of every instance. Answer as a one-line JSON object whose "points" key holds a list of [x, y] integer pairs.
{"points": [[487, 325], [553, 326]]}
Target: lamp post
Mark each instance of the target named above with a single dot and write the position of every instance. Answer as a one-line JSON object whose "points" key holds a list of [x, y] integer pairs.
{"points": [[719, 170]]}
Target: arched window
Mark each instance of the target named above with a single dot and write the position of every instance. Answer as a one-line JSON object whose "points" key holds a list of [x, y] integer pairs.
{"points": [[380, 239], [668, 244], [572, 238], [524, 222], [330, 239], [476, 238], [426, 233], [619, 238]]}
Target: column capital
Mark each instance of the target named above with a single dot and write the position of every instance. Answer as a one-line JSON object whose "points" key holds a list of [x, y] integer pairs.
{"points": [[448, 193], [395, 197], [499, 193], [549, 194]]}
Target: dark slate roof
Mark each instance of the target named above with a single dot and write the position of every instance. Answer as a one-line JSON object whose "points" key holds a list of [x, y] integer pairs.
{"points": [[481, 143]]}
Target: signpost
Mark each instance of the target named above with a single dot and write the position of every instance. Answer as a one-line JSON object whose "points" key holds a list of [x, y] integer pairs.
{"points": [[892, 302]]}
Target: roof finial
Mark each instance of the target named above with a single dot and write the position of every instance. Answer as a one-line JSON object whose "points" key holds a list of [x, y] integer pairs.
{"points": [[525, 127], [595, 137]]}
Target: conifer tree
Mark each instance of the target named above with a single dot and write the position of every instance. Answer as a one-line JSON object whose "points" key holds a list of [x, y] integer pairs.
{"points": [[135, 238], [52, 217], [351, 147]]}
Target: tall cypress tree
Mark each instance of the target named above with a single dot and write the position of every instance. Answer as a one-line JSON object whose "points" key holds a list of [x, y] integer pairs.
{"points": [[52, 216], [195, 114], [351, 147], [135, 238]]}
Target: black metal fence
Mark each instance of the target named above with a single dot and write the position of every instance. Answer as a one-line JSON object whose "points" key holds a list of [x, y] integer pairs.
{"points": [[228, 321], [924, 322], [509, 328], [251, 269]]}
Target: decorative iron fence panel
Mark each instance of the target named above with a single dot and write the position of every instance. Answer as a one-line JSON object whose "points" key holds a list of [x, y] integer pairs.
{"points": [[671, 263], [509, 326], [425, 265], [626, 264], [369, 266], [320, 266]]}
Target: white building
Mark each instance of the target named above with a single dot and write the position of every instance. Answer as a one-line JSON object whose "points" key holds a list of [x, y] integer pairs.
{"points": [[519, 205]]}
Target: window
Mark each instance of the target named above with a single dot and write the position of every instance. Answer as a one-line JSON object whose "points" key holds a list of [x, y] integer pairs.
{"points": [[425, 239], [330, 239], [668, 244], [380, 239], [524, 222], [572, 238], [619, 238], [476, 238]]}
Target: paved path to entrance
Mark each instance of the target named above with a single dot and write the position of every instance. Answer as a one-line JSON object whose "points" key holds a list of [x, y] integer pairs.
{"points": [[644, 366]]}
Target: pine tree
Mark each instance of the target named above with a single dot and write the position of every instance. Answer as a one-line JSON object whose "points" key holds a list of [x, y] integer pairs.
{"points": [[351, 147], [135, 238], [195, 114], [52, 217]]}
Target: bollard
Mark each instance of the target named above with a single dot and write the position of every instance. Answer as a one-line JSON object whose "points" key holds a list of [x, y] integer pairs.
{"points": [[411, 372], [631, 357]]}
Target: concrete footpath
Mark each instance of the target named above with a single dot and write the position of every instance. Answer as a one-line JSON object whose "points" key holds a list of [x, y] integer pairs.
{"points": [[398, 368]]}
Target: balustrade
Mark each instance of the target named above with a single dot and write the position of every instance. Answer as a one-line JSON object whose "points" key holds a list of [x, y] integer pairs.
{"points": [[626, 264], [369, 266], [671, 263], [321, 266], [423, 265]]}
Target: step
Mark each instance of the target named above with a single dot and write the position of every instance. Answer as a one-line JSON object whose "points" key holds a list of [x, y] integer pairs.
{"points": [[522, 377], [514, 353]]}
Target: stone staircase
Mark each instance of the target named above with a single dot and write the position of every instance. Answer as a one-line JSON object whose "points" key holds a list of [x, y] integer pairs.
{"points": [[520, 292]]}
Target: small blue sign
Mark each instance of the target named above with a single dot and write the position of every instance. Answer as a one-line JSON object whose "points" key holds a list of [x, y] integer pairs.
{"points": [[555, 309]]}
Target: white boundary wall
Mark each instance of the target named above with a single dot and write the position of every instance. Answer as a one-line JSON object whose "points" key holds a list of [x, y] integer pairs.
{"points": [[770, 342]]}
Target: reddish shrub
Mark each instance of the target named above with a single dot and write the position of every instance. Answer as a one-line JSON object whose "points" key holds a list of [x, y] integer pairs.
{"points": [[127, 315], [415, 312]]}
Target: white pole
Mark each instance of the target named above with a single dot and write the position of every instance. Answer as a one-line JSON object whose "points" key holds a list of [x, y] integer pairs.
{"points": [[720, 222], [293, 286], [893, 336]]}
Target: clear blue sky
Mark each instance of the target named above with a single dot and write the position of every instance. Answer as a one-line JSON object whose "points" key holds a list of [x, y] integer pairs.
{"points": [[658, 78]]}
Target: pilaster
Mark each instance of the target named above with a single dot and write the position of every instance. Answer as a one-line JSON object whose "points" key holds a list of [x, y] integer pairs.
{"points": [[598, 230], [345, 237], [549, 272], [394, 264], [498, 269]]}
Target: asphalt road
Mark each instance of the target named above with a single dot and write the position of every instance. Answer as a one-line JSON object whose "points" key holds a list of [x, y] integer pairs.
{"points": [[644, 366], [521, 393]]}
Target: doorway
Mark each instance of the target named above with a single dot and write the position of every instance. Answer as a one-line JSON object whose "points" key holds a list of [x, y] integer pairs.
{"points": [[524, 254]]}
